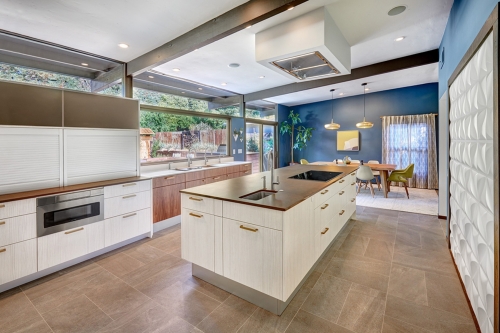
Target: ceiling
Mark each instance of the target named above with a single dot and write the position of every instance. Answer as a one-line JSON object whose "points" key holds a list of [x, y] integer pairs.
{"points": [[364, 23], [399, 79], [98, 26]]}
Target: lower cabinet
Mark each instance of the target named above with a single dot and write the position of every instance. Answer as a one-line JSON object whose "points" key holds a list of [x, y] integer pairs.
{"points": [[198, 238], [167, 201], [325, 216], [123, 227], [69, 244], [253, 256], [18, 260]]}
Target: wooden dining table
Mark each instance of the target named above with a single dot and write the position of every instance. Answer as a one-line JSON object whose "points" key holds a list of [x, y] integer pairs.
{"points": [[382, 168]]}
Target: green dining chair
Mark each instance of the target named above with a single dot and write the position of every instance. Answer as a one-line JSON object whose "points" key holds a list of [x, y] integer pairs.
{"points": [[304, 161], [402, 176]]}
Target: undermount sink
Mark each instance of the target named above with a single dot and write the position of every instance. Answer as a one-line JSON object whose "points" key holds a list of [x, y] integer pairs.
{"points": [[208, 166], [258, 195]]}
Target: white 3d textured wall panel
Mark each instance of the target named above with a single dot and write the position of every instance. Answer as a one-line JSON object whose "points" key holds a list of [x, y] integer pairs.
{"points": [[471, 186]]}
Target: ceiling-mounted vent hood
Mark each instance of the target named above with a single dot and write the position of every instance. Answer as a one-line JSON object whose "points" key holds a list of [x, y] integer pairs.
{"points": [[308, 47]]}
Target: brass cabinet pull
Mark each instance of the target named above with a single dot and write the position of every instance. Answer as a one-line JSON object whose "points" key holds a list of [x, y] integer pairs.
{"points": [[342, 212], [2, 206], [129, 196], [353, 174], [168, 178], [129, 215], [215, 178], [246, 171], [195, 199], [196, 215], [324, 192], [131, 184], [249, 229], [341, 181], [324, 207], [72, 231], [3, 250], [353, 199], [325, 231], [2, 223], [341, 192], [353, 183]]}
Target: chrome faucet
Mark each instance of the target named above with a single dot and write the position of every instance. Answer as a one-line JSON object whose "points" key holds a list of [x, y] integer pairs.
{"points": [[169, 165], [206, 159], [264, 182], [219, 159], [189, 159], [277, 182]]}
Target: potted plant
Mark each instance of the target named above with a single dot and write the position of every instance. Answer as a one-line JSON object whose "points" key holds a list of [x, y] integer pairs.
{"points": [[299, 135]]}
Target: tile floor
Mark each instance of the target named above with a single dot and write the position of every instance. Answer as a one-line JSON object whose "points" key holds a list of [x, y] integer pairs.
{"points": [[422, 201], [386, 272]]}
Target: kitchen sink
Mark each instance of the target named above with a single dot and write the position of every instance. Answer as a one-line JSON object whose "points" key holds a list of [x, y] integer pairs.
{"points": [[258, 195], [208, 166]]}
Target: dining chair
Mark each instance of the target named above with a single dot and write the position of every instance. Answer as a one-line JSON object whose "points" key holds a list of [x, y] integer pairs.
{"points": [[356, 161], [402, 176], [376, 173], [303, 161], [365, 174]]}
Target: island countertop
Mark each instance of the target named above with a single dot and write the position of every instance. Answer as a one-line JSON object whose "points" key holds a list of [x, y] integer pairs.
{"points": [[290, 191]]}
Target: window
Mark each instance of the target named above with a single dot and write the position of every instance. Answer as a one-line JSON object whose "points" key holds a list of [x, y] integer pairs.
{"points": [[169, 137]]}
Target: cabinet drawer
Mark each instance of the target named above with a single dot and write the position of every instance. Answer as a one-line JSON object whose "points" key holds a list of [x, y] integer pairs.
{"points": [[245, 173], [320, 197], [215, 179], [233, 175], [121, 228], [167, 202], [195, 175], [169, 180], [61, 247], [17, 229], [215, 172], [195, 183], [198, 203], [246, 167], [16, 208], [126, 204], [268, 218], [253, 256], [233, 169], [351, 178], [198, 238], [127, 188], [17, 260]]}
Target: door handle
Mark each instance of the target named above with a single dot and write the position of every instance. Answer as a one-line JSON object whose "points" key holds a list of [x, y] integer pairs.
{"points": [[2, 206], [2, 223], [353, 174], [353, 199], [353, 183], [196, 215], [129, 196], [340, 193], [168, 178], [324, 192], [129, 215], [342, 212], [131, 184], [341, 181], [325, 231], [249, 229], [324, 207], [72, 231], [195, 199]]}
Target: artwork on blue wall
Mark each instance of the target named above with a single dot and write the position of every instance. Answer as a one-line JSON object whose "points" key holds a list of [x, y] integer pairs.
{"points": [[348, 140]]}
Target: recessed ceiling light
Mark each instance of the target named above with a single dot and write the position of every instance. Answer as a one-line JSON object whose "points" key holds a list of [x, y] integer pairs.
{"points": [[399, 39], [176, 69], [123, 45], [396, 10], [341, 94], [234, 65], [290, 8], [261, 77], [223, 83], [200, 88], [151, 77], [84, 64], [248, 27]]}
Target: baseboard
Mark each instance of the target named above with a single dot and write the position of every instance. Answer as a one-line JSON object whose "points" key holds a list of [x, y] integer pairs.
{"points": [[53, 269], [166, 223], [442, 217], [465, 292]]}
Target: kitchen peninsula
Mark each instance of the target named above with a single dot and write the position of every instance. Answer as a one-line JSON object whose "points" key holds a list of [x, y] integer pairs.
{"points": [[261, 244]]}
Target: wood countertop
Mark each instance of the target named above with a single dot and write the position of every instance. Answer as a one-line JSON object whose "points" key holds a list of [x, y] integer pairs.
{"points": [[294, 190], [63, 189]]}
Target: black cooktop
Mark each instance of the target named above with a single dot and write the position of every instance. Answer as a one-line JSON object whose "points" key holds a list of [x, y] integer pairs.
{"points": [[320, 176]]}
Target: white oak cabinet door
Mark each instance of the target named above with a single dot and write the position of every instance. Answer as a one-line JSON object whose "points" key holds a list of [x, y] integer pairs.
{"points": [[126, 204], [61, 247], [198, 238], [123, 227], [326, 214], [253, 256], [17, 229], [17, 260]]}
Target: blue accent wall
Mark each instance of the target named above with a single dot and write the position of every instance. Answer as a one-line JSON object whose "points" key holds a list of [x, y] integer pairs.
{"points": [[466, 19], [283, 141], [236, 124], [347, 112]]}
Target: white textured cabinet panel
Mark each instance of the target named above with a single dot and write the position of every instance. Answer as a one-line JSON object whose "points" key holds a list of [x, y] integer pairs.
{"points": [[95, 236], [218, 207], [253, 258], [61, 247], [17, 229], [18, 260], [320, 197], [126, 204], [31, 158], [127, 188], [121, 228], [198, 203], [342, 214], [218, 266], [198, 238], [268, 218], [16, 208], [97, 154], [299, 248]]}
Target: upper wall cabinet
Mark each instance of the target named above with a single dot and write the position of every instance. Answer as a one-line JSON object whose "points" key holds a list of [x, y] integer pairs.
{"points": [[30, 158], [92, 155]]}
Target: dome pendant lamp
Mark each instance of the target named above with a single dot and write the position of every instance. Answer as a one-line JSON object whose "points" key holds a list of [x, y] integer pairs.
{"points": [[332, 125], [364, 123]]}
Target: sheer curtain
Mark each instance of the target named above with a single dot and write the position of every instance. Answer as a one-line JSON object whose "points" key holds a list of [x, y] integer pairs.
{"points": [[412, 139]]}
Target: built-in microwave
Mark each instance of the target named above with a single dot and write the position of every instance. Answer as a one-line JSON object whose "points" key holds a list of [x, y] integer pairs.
{"points": [[69, 210]]}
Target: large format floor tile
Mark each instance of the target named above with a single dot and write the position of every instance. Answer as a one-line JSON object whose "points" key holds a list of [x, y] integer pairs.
{"points": [[386, 271]]}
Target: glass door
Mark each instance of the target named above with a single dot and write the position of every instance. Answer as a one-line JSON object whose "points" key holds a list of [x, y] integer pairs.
{"points": [[260, 146]]}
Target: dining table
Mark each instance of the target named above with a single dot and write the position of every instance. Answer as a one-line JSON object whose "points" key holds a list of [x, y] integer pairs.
{"points": [[383, 169]]}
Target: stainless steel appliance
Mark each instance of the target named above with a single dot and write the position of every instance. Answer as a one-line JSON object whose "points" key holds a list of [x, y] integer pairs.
{"points": [[70, 210]]}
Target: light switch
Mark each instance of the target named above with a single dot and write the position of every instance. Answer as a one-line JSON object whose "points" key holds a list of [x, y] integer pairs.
{"points": [[234, 151], [240, 151]]}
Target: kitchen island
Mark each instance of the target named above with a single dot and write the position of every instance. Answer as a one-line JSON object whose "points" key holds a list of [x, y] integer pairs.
{"points": [[259, 242]]}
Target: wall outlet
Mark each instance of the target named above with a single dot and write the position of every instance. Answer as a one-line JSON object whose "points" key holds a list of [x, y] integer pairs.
{"points": [[240, 151]]}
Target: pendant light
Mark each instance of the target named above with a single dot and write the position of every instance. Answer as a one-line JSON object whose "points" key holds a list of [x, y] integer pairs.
{"points": [[332, 125], [364, 123]]}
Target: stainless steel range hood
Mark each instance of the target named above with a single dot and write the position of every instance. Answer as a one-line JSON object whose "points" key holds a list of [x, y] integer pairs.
{"points": [[306, 66]]}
